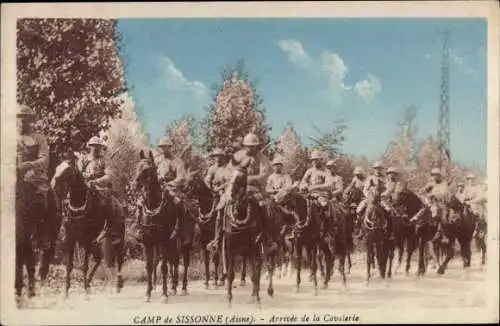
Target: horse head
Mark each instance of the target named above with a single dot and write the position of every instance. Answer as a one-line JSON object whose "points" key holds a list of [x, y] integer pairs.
{"points": [[67, 176], [145, 173]]}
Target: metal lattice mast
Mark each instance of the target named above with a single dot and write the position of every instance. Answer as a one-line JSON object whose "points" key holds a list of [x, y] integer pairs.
{"points": [[444, 107]]}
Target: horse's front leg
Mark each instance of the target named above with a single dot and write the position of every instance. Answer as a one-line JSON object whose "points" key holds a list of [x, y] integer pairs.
{"points": [[69, 265], [411, 246], [96, 252], [298, 260], [19, 272], [30, 268], [85, 270], [206, 264], [255, 257], [369, 259], [313, 249], [244, 271], [186, 257], [229, 257], [421, 256], [149, 248], [164, 273], [270, 269], [450, 252], [174, 261]]}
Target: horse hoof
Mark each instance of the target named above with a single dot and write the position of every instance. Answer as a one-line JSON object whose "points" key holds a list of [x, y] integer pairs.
{"points": [[297, 289], [147, 298], [324, 286], [164, 299], [270, 292], [315, 291], [440, 271], [243, 283], [173, 292], [184, 292], [207, 287]]}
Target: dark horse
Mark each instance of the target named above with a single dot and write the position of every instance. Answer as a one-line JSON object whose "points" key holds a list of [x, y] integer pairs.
{"points": [[156, 224], [86, 219], [28, 226], [305, 232], [460, 227], [375, 225], [340, 237], [409, 204], [243, 235], [350, 201], [25, 224]]}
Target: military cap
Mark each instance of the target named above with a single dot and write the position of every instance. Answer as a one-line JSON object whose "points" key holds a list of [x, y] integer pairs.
{"points": [[251, 139], [436, 171], [165, 142], [96, 141]]}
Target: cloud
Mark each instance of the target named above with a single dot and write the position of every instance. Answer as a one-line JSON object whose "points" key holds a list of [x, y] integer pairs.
{"points": [[176, 81], [295, 51], [332, 67], [369, 88], [462, 64]]}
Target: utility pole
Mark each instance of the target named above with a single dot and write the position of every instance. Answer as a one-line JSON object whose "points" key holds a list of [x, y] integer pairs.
{"points": [[444, 106]]}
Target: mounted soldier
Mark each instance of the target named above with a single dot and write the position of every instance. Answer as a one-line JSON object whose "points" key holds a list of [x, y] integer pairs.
{"points": [[374, 186], [98, 177], [170, 174], [438, 199], [317, 184], [460, 194], [475, 198], [217, 178], [335, 180], [392, 184], [32, 165], [278, 180], [358, 181]]}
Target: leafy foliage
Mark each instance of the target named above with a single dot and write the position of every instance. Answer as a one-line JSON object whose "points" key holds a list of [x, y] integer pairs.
{"points": [[330, 142], [288, 145], [237, 110], [70, 73]]}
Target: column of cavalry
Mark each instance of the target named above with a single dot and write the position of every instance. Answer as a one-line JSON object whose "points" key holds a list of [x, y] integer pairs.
{"points": [[236, 210]]}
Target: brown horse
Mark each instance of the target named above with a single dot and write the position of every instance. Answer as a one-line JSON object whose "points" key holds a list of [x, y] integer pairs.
{"points": [[156, 223], [409, 204], [243, 231], [25, 224], [375, 225], [460, 227], [306, 230], [86, 219], [350, 201], [480, 237]]}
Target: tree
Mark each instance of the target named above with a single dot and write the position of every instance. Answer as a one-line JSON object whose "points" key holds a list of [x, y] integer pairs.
{"points": [[330, 142], [289, 146], [125, 139], [237, 110], [70, 73]]}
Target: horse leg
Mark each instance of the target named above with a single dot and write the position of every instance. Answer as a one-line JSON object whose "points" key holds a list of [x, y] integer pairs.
{"points": [[342, 258], [119, 254], [369, 259], [256, 265], [85, 270], [186, 257], [329, 265], [313, 249], [206, 264], [450, 252], [349, 263], [230, 260], [156, 262], [150, 249], [243, 272], [174, 271], [19, 272], [30, 268], [270, 268], [69, 266], [400, 247], [164, 273], [389, 252], [97, 254], [421, 257], [298, 260], [410, 249], [381, 257]]}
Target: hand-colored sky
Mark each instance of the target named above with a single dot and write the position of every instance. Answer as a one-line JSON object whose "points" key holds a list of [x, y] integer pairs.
{"points": [[315, 71]]}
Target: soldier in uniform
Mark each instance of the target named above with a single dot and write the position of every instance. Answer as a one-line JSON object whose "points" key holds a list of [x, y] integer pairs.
{"points": [[358, 181], [392, 183], [216, 180], [460, 194], [439, 196], [316, 183], [374, 186], [170, 175], [32, 166], [278, 179], [474, 197], [335, 180], [98, 177]]}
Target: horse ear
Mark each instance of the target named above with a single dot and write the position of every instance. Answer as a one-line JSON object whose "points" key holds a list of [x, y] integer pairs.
{"points": [[141, 155]]}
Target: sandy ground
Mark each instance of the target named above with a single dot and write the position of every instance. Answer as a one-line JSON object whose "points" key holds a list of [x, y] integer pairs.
{"points": [[454, 289]]}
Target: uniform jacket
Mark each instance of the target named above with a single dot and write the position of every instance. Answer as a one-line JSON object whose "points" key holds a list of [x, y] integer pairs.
{"points": [[33, 148]]}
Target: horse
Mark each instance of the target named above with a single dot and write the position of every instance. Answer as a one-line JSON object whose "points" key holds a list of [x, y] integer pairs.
{"points": [[25, 224], [340, 236], [305, 231], [155, 223], [408, 203], [375, 225], [86, 219], [480, 237], [243, 235], [350, 201], [460, 227]]}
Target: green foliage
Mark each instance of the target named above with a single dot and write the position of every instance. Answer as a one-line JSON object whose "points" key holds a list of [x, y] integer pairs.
{"points": [[237, 110], [70, 73], [330, 142]]}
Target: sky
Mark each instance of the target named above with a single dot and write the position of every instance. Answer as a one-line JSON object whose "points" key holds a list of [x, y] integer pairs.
{"points": [[314, 72]]}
